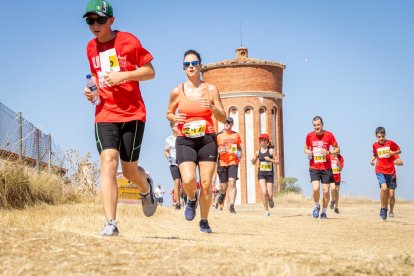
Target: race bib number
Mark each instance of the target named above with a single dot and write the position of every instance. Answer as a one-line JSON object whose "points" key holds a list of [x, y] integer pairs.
{"points": [[318, 155], [383, 152], [335, 169], [194, 129], [234, 148], [265, 166]]}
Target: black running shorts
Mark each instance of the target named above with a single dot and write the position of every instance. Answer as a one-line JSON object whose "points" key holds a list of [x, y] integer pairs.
{"points": [[196, 149], [124, 137], [226, 172], [324, 176], [268, 177], [175, 172]]}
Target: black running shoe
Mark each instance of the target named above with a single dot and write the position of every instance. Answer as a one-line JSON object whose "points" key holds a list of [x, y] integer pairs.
{"points": [[332, 205], [204, 227], [221, 198], [271, 203], [232, 209], [177, 206]]}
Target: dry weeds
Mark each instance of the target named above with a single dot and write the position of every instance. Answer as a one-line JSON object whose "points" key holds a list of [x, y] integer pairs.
{"points": [[60, 240]]}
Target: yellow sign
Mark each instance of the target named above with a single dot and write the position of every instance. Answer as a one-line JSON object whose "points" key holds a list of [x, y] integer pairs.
{"points": [[126, 189]]}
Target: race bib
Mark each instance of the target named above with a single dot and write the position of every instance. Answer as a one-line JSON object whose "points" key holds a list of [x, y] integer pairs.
{"points": [[234, 148], [318, 155], [383, 152], [335, 168], [194, 129], [265, 166]]}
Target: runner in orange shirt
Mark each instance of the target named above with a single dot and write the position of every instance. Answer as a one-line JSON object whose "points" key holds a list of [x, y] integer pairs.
{"points": [[228, 142]]}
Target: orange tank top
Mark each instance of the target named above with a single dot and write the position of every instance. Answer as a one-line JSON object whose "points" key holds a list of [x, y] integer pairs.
{"points": [[199, 120]]}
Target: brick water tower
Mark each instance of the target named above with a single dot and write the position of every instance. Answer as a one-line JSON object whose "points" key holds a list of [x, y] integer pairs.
{"points": [[251, 92]]}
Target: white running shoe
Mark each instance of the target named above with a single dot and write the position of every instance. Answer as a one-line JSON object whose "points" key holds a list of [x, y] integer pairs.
{"points": [[266, 214], [110, 229]]}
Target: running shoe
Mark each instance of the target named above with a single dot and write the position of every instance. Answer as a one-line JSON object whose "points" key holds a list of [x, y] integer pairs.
{"points": [[271, 203], [221, 208], [204, 227], [110, 229], [332, 205], [215, 205], [177, 206], [232, 210], [391, 214], [149, 203], [221, 198], [190, 209], [266, 214], [383, 213], [323, 216], [336, 210], [315, 213]]}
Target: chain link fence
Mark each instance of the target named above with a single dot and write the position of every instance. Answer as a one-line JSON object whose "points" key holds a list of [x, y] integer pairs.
{"points": [[20, 139]]}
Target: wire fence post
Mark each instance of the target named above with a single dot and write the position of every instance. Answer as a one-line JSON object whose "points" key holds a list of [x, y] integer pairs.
{"points": [[20, 121], [37, 148], [50, 153]]}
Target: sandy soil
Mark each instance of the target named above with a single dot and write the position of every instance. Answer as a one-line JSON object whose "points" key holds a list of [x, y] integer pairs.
{"points": [[60, 240]]}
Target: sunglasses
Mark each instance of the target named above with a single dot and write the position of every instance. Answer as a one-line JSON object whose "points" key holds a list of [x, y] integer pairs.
{"points": [[100, 20], [227, 122], [194, 63]]}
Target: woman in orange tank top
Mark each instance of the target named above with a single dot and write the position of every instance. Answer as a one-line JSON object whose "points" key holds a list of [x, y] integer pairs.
{"points": [[192, 105]]}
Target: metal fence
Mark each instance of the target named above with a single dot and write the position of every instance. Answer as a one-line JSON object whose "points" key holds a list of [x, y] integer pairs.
{"points": [[20, 138]]}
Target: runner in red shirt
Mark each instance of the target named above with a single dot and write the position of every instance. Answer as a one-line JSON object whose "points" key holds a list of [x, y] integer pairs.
{"points": [[383, 152], [319, 145], [398, 162], [229, 149], [337, 163], [118, 62]]}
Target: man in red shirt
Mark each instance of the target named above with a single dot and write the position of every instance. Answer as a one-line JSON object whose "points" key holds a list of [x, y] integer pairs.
{"points": [[384, 152], [118, 62], [337, 163], [319, 145], [229, 149]]}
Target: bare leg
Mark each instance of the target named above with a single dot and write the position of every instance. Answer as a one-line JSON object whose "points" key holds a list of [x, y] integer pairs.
{"points": [[108, 187], [265, 196], [337, 188], [325, 190], [316, 191], [206, 176], [136, 175], [384, 196], [232, 190], [392, 200], [177, 190], [189, 178], [269, 188]]}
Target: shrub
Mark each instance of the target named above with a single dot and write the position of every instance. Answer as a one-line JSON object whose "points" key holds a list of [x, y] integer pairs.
{"points": [[289, 185]]}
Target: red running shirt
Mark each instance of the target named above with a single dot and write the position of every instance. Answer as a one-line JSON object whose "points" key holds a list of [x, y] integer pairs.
{"points": [[385, 162], [122, 102], [228, 144], [337, 163], [316, 143]]}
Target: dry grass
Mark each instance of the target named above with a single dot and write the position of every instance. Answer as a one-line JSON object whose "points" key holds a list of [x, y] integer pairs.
{"points": [[60, 240]]}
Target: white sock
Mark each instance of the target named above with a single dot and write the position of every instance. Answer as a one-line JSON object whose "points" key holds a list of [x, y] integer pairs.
{"points": [[324, 210], [317, 205]]}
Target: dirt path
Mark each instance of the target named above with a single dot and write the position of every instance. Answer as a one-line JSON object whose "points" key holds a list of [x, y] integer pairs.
{"points": [[60, 240]]}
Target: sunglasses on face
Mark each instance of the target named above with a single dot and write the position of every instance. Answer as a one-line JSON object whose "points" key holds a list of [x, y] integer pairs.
{"points": [[227, 122], [194, 63], [100, 20]]}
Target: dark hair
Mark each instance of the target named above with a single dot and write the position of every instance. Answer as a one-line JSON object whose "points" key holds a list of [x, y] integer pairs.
{"points": [[316, 118], [380, 130], [193, 52]]}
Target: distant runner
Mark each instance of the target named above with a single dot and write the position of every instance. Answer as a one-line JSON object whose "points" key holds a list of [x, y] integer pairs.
{"points": [[319, 145], [265, 173], [229, 149], [398, 162], [337, 163], [383, 152]]}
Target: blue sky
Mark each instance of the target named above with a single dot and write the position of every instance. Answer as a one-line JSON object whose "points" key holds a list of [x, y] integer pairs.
{"points": [[350, 62]]}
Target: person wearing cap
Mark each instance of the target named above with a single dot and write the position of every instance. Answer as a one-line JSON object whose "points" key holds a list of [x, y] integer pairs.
{"points": [[118, 62], [192, 105], [229, 149], [319, 145], [170, 154], [265, 173]]}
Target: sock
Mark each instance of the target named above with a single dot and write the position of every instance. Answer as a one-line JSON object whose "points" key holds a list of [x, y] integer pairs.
{"points": [[324, 210], [148, 190], [317, 205]]}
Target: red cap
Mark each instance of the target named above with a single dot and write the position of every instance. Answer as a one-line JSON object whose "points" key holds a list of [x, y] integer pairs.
{"points": [[264, 136]]}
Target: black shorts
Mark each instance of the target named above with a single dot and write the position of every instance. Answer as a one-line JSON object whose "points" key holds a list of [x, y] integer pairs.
{"points": [[124, 137], [337, 183], [226, 172], [268, 177], [160, 200], [325, 176], [175, 172], [196, 149]]}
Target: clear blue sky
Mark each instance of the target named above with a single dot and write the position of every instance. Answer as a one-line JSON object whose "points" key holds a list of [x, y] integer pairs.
{"points": [[350, 62]]}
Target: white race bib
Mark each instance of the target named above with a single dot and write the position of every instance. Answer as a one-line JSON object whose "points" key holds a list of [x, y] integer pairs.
{"points": [[318, 155], [335, 168], [383, 152], [194, 129]]}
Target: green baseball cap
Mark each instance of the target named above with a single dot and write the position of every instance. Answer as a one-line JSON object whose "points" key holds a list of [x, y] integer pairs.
{"points": [[99, 7]]}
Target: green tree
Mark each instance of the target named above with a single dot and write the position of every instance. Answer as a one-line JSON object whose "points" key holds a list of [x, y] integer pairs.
{"points": [[289, 185]]}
